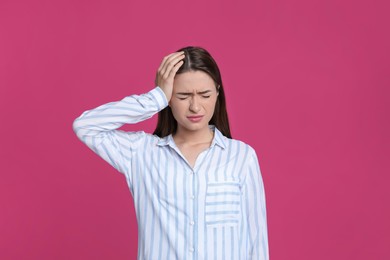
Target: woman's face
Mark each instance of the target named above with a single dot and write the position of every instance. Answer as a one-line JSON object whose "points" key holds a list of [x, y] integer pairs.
{"points": [[193, 100]]}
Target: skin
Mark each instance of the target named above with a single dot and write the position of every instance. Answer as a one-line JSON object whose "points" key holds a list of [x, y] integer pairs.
{"points": [[192, 96]]}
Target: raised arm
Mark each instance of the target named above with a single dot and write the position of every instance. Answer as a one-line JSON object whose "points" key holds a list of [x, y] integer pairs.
{"points": [[98, 128]]}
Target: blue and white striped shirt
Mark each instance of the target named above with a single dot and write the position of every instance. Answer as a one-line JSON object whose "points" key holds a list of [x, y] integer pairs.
{"points": [[215, 210]]}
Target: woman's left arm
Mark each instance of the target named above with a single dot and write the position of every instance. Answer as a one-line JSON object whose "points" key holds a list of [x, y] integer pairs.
{"points": [[256, 214]]}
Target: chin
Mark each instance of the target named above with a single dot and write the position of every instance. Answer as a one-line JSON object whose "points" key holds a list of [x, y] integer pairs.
{"points": [[194, 127]]}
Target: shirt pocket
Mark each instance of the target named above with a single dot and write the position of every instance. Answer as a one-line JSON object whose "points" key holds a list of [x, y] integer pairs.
{"points": [[223, 204]]}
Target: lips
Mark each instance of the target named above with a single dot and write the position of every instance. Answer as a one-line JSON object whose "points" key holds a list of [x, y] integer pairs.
{"points": [[194, 118]]}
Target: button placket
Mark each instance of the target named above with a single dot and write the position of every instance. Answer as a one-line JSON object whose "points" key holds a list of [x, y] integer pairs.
{"points": [[192, 214]]}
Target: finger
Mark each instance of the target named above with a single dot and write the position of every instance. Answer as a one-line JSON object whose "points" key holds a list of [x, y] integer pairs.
{"points": [[167, 57], [170, 65], [164, 60], [163, 69], [176, 68], [168, 60]]}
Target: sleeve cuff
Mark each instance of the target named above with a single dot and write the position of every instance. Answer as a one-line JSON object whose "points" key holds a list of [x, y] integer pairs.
{"points": [[159, 97]]}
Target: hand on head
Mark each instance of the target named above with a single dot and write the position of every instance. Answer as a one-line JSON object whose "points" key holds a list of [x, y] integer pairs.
{"points": [[167, 71]]}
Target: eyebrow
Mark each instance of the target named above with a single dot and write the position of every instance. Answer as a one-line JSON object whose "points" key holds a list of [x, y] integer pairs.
{"points": [[190, 93]]}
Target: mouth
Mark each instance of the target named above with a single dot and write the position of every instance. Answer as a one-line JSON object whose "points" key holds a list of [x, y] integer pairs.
{"points": [[194, 118]]}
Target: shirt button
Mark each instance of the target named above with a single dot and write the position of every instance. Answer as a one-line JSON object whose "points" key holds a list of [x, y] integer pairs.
{"points": [[192, 223], [192, 249], [192, 197]]}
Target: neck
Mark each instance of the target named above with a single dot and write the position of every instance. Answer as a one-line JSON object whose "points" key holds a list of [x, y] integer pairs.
{"points": [[193, 137]]}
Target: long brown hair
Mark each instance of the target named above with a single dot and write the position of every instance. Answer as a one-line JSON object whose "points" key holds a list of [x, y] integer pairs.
{"points": [[197, 58]]}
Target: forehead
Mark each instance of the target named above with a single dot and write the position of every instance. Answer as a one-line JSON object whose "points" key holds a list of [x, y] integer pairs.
{"points": [[193, 80]]}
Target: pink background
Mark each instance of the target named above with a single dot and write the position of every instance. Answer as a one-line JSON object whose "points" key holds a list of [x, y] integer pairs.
{"points": [[307, 86]]}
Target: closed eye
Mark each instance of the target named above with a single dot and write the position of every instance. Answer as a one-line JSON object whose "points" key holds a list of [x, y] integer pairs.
{"points": [[206, 96]]}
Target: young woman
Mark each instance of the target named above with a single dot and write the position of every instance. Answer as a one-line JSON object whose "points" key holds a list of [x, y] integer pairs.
{"points": [[198, 194]]}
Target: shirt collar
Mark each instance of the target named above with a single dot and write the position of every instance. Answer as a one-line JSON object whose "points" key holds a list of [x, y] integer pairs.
{"points": [[219, 139]]}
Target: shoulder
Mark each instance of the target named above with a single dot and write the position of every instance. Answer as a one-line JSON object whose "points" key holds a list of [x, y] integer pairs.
{"points": [[238, 145], [232, 146]]}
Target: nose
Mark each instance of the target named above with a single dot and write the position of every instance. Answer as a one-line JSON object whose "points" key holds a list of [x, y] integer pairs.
{"points": [[194, 105]]}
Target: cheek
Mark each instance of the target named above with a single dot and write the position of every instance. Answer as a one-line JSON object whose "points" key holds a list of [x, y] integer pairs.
{"points": [[176, 108], [214, 101], [211, 105]]}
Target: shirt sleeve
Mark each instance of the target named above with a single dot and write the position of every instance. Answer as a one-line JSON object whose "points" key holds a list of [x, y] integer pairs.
{"points": [[255, 211], [97, 128]]}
